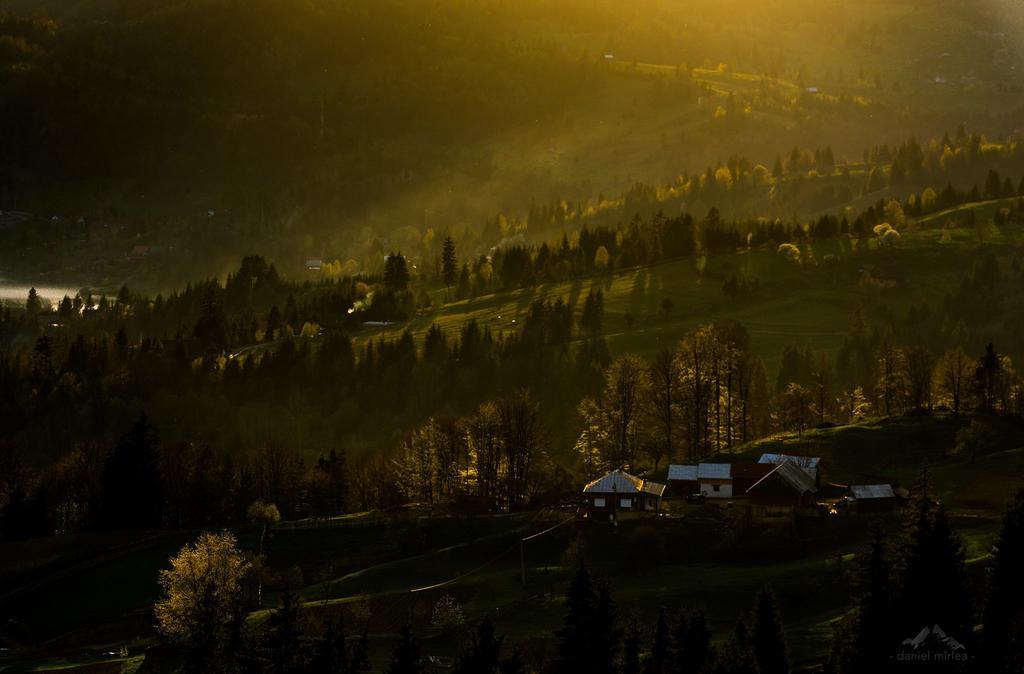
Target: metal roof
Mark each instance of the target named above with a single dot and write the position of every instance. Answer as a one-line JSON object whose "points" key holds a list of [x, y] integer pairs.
{"points": [[868, 491], [808, 463], [792, 475], [621, 482], [714, 471], [681, 472], [654, 488], [802, 461]]}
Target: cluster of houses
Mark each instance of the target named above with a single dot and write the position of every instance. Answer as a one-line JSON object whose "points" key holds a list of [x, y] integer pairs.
{"points": [[776, 486]]}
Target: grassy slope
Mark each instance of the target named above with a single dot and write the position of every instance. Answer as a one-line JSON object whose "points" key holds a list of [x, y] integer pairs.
{"points": [[676, 562], [809, 303]]}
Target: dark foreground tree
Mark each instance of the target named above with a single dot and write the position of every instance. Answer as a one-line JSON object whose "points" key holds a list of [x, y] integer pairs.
{"points": [[405, 657], [768, 638], [1003, 635], [481, 654], [283, 640], [131, 482], [588, 640]]}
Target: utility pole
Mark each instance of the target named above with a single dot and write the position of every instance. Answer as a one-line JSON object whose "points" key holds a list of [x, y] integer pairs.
{"points": [[522, 561]]}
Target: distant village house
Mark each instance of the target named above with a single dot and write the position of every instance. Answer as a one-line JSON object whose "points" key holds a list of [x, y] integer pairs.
{"points": [[618, 492]]}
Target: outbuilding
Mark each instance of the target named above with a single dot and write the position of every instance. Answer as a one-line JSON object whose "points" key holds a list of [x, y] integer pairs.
{"points": [[783, 493], [872, 498], [682, 479]]}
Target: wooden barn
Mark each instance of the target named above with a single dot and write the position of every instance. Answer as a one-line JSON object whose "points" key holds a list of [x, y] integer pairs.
{"points": [[785, 492], [619, 492]]}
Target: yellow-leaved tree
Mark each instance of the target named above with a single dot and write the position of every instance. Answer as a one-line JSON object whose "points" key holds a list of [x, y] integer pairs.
{"points": [[202, 591]]}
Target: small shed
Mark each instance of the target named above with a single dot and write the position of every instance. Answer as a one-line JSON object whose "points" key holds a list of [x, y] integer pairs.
{"points": [[618, 491], [784, 492], [715, 479], [682, 479], [872, 497]]}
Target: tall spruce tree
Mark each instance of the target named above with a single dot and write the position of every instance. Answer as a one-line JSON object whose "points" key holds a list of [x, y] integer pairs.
{"points": [[768, 638], [738, 655], [331, 655], [449, 264], [131, 482], [284, 637], [589, 639], [661, 645], [932, 585], [405, 657], [1003, 647], [631, 644], [480, 656], [692, 653]]}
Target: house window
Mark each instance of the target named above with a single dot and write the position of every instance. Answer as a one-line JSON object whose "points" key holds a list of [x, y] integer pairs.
{"points": [[625, 503], [716, 487], [598, 502]]}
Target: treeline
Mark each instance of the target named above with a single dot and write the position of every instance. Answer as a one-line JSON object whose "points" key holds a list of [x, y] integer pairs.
{"points": [[941, 173]]}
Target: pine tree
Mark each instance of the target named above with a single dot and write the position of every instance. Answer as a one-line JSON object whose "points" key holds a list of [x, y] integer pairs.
{"points": [[589, 639], [359, 656], [933, 584], [284, 637], [661, 645], [575, 634], [695, 653], [396, 273], [869, 641], [405, 658], [331, 655], [738, 656], [1004, 605], [449, 264], [131, 482], [607, 637], [481, 654], [768, 638], [631, 643]]}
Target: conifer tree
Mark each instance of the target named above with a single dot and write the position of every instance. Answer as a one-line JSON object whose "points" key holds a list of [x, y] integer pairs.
{"points": [[331, 656], [933, 584], [1003, 648], [481, 653], [738, 656], [405, 657], [631, 643], [661, 645], [768, 639], [692, 653], [284, 638], [449, 264], [359, 656]]}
